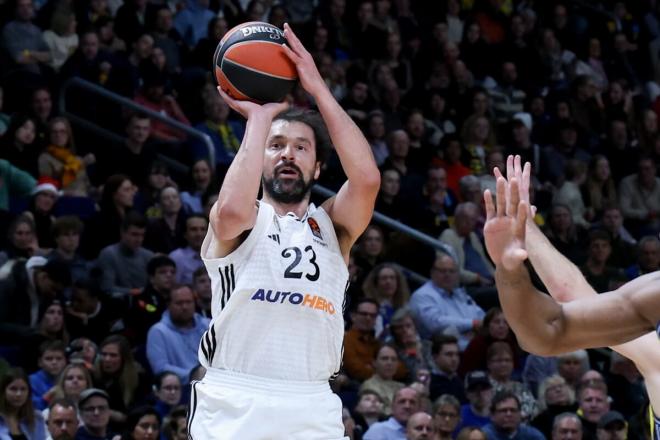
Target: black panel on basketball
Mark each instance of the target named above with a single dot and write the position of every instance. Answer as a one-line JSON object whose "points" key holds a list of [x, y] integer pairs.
{"points": [[255, 84]]}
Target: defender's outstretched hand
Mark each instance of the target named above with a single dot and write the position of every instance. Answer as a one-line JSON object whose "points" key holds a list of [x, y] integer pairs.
{"points": [[514, 168], [504, 230], [308, 74], [248, 108]]}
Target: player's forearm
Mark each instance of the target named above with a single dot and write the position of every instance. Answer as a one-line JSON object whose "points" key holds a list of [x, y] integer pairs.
{"points": [[560, 276], [352, 147], [240, 187], [535, 318]]}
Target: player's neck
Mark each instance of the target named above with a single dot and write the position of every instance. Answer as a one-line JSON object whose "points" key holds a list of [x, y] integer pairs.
{"points": [[299, 208]]}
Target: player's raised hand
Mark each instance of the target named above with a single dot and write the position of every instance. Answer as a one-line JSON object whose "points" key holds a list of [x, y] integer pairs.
{"points": [[248, 108], [515, 169], [308, 73], [504, 231]]}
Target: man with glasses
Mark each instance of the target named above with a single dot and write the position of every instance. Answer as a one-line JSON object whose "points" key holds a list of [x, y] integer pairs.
{"points": [[95, 413], [612, 426], [442, 306], [360, 343], [62, 420], [505, 420], [446, 415]]}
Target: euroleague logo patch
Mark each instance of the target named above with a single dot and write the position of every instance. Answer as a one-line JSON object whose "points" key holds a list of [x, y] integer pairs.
{"points": [[314, 226], [294, 298]]}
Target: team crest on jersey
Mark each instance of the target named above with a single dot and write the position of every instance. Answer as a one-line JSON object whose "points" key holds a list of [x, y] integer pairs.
{"points": [[314, 226]]}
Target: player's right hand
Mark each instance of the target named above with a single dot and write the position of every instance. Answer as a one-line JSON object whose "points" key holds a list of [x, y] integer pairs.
{"points": [[249, 109]]}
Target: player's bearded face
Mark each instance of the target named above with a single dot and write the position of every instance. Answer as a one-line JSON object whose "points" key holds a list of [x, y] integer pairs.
{"points": [[288, 184]]}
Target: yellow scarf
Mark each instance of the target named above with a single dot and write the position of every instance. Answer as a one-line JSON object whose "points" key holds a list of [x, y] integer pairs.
{"points": [[227, 135], [71, 164]]}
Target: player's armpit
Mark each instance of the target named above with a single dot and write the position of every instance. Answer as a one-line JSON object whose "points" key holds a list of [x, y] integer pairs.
{"points": [[215, 247]]}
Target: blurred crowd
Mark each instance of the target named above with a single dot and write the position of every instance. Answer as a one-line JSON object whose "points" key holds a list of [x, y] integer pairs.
{"points": [[103, 295]]}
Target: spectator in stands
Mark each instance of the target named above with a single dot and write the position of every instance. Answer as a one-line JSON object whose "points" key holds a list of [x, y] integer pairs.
{"points": [[118, 374], [444, 374], [94, 408], [50, 328], [506, 419], [368, 410], [116, 202], [124, 263], [556, 397], [382, 381], [623, 244], [398, 144], [495, 328], [43, 281], [137, 153], [91, 313], [446, 416], [62, 420], [370, 249], [203, 180], [404, 405], [390, 201], [499, 360], [620, 151], [153, 96], [52, 360], [172, 343], [376, 135], [4, 117], [40, 211], [89, 62], [419, 426], [414, 352], [131, 20], [471, 433], [600, 275], [20, 146], [599, 191], [648, 257], [175, 424], [479, 392], [23, 243], [565, 235], [566, 426], [475, 268], [442, 306], [167, 38], [18, 418], [74, 379], [167, 390], [84, 351], [66, 233], [612, 426], [127, 73], [188, 259], [143, 422], [522, 144], [593, 404], [201, 285], [494, 159], [148, 305], [388, 287], [640, 198], [506, 97], [360, 344], [572, 366], [23, 40], [61, 38], [225, 133], [566, 147], [165, 233], [16, 183], [569, 193], [192, 22], [41, 109], [625, 385], [205, 48], [108, 40], [452, 162]]}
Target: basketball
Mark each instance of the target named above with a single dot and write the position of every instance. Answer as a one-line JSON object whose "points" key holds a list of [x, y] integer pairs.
{"points": [[251, 65]]}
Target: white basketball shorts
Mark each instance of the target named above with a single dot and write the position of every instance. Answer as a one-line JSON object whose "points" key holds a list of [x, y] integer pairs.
{"points": [[232, 406]]}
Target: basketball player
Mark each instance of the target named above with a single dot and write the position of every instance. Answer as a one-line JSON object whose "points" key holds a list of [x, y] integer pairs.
{"points": [[577, 317], [278, 268]]}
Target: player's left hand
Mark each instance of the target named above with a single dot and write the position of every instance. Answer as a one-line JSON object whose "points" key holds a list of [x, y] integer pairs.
{"points": [[504, 231], [308, 74]]}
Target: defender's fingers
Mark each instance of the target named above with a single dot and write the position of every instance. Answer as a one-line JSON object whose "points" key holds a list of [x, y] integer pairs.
{"points": [[509, 167], [521, 218], [490, 207], [514, 197], [501, 197]]}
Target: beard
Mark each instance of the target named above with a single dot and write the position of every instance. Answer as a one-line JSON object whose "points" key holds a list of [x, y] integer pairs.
{"points": [[287, 191]]}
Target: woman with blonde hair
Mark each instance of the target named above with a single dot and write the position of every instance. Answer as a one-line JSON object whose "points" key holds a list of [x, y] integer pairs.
{"points": [[386, 285], [555, 397], [72, 381], [478, 137], [414, 352], [600, 189], [60, 161]]}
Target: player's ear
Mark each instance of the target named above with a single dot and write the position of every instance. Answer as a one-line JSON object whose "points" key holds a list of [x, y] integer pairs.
{"points": [[317, 170]]}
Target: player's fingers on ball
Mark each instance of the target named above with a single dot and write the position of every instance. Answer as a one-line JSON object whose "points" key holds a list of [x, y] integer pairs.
{"points": [[291, 54]]}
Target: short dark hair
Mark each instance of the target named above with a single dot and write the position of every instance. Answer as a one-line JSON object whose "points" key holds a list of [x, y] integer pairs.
{"points": [[158, 261], [200, 216], [361, 301], [158, 379], [65, 224], [501, 396], [176, 287], [134, 219], [312, 119], [599, 234], [440, 341], [55, 345], [64, 402], [57, 271]]}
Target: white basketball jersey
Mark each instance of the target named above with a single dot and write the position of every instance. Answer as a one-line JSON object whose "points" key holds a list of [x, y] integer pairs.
{"points": [[278, 300]]}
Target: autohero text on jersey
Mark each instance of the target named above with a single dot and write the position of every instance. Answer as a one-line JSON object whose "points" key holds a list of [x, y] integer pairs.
{"points": [[294, 298]]}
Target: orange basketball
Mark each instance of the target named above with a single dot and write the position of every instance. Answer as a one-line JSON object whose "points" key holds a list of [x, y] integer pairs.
{"points": [[250, 63]]}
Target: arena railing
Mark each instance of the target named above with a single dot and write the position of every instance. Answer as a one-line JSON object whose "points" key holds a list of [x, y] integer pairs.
{"points": [[125, 102]]}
